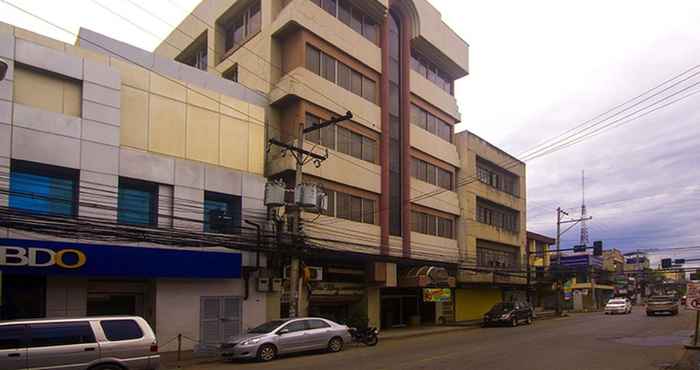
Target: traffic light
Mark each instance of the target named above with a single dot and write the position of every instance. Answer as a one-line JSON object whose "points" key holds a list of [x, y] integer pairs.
{"points": [[579, 248], [598, 248], [666, 263]]}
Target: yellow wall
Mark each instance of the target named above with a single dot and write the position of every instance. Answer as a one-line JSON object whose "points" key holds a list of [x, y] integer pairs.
{"points": [[162, 116], [47, 91], [472, 304]]}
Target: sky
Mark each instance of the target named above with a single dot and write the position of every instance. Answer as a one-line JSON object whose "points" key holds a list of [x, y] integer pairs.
{"points": [[537, 69]]}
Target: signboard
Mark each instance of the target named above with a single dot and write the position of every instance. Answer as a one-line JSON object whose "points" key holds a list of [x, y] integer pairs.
{"points": [[437, 294], [693, 296], [40, 257]]}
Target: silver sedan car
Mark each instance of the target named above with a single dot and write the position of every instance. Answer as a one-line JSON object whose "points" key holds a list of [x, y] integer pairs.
{"points": [[277, 337]]}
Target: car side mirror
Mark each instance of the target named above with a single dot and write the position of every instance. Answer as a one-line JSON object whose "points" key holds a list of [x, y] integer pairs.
{"points": [[283, 331]]}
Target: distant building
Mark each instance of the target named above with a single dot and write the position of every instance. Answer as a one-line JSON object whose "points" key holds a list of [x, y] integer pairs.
{"points": [[542, 294]]}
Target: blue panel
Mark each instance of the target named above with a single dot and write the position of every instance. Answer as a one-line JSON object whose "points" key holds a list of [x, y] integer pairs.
{"points": [[41, 193], [21, 256], [135, 206]]}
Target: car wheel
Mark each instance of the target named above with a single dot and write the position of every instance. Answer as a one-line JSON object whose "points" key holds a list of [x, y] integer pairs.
{"points": [[514, 322], [529, 320], [335, 344], [267, 352]]}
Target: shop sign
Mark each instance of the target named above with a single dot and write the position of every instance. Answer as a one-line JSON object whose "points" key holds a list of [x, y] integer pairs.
{"points": [[693, 296], [42, 257], [437, 294]]}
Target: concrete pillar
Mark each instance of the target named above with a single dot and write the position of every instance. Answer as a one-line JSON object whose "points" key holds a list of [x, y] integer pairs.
{"points": [[373, 307]]}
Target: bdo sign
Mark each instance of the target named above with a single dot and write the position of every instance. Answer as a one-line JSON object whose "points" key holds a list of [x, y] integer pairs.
{"points": [[42, 257]]}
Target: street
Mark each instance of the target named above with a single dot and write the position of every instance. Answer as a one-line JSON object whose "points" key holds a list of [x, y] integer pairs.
{"points": [[588, 341]]}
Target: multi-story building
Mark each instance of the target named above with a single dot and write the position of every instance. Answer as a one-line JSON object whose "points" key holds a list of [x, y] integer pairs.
{"points": [[390, 172], [614, 261], [541, 292], [111, 158], [491, 230]]}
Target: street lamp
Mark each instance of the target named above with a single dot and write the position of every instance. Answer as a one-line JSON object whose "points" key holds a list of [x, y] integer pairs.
{"points": [[3, 69]]}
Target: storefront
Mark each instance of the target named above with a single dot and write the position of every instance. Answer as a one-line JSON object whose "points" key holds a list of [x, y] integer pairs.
{"points": [[196, 293], [471, 303]]}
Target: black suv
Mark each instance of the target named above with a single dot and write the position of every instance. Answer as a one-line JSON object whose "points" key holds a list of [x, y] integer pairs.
{"points": [[509, 313]]}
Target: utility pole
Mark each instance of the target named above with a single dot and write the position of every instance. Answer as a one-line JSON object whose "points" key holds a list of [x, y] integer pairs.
{"points": [[559, 234], [302, 156], [527, 257]]}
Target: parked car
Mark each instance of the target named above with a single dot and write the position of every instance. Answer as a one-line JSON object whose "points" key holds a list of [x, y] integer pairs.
{"points": [[618, 305], [95, 343], [508, 313], [662, 303], [277, 337]]}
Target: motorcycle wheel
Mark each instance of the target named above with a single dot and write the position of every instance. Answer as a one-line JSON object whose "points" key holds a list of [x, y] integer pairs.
{"points": [[372, 341]]}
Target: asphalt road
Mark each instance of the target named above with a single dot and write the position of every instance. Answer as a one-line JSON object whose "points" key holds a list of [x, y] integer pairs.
{"points": [[581, 341]]}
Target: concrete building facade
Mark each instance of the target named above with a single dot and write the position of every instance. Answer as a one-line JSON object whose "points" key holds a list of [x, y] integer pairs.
{"points": [[391, 170], [492, 227], [104, 134]]}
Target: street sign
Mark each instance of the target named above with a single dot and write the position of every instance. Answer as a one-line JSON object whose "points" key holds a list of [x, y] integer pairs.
{"points": [[693, 296]]}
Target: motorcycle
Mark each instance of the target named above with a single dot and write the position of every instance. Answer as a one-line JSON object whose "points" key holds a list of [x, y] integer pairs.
{"points": [[368, 336]]}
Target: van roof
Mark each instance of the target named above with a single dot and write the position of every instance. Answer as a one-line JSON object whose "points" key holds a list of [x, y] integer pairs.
{"points": [[67, 319]]}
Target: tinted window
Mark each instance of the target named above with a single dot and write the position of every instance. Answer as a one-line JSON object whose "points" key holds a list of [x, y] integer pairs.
{"points": [[318, 324], [116, 330], [267, 327], [11, 336], [296, 326], [43, 189], [60, 334]]}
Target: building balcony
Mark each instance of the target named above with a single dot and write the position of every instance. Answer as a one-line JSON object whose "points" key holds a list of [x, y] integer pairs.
{"points": [[434, 95], [341, 234], [309, 86], [306, 14], [434, 248], [434, 146], [339, 167], [490, 277], [443, 200]]}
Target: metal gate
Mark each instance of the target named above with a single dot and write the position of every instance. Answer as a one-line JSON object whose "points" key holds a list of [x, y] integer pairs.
{"points": [[220, 318]]}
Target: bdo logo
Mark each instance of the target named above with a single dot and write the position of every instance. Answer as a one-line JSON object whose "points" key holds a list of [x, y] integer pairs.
{"points": [[42, 257]]}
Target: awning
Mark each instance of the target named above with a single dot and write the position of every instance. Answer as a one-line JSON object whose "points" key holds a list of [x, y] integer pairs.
{"points": [[40, 257]]}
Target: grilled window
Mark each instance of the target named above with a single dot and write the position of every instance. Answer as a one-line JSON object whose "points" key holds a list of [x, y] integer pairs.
{"points": [[496, 177], [496, 215]]}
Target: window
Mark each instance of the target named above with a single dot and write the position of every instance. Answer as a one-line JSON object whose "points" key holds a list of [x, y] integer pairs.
{"points": [[116, 330], [137, 202], [242, 27], [496, 177], [354, 208], [44, 189], [60, 334], [494, 255], [313, 136], [295, 326], [368, 149], [338, 73], [355, 145], [231, 74], [429, 122], [351, 16], [368, 89], [328, 67], [318, 324], [445, 228], [313, 59], [229, 207], [496, 215], [11, 336], [356, 83], [195, 54], [431, 174], [430, 71], [344, 76]]}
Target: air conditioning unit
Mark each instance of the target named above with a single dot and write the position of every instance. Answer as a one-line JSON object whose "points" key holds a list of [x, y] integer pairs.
{"points": [[263, 284], [314, 273], [274, 193], [276, 285], [306, 195]]}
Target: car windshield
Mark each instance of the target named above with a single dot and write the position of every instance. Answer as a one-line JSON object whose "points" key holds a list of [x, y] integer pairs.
{"points": [[500, 307], [660, 299], [267, 327]]}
